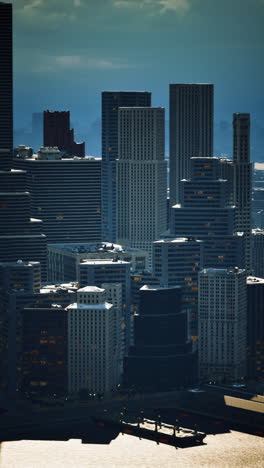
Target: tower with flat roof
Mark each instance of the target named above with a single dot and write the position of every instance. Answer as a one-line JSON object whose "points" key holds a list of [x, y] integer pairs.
{"points": [[243, 180], [141, 177], [6, 85], [191, 129], [111, 101]]}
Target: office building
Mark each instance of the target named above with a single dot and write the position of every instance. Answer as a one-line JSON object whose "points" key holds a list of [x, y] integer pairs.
{"points": [[37, 129], [255, 328], [57, 132], [222, 324], [66, 195], [162, 356], [226, 172], [20, 236], [6, 85], [176, 262], [20, 287], [257, 206], [191, 130], [43, 358], [15, 278], [113, 293], [206, 214], [243, 180], [141, 177], [138, 280], [257, 246], [111, 101], [64, 259], [92, 359], [96, 272]]}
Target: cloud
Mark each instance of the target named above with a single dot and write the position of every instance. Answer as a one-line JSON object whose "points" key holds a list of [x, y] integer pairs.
{"points": [[33, 5], [77, 3], [77, 62], [82, 62], [156, 6]]}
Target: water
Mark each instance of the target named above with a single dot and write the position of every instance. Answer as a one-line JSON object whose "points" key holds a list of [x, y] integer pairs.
{"points": [[233, 450]]}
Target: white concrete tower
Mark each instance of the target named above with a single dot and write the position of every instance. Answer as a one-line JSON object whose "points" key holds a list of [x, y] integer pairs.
{"points": [[141, 176], [92, 362]]}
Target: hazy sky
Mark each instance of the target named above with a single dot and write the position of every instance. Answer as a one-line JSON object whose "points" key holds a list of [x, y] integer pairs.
{"points": [[67, 51]]}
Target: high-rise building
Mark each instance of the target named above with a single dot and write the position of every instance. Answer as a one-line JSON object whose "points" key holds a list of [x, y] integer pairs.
{"points": [[44, 350], [16, 278], [57, 132], [20, 236], [205, 213], [176, 262], [255, 328], [113, 293], [111, 101], [257, 208], [92, 362], [141, 177], [191, 130], [66, 195], [37, 129], [243, 180], [257, 245], [6, 85], [222, 324], [162, 356], [20, 287], [64, 259], [96, 272]]}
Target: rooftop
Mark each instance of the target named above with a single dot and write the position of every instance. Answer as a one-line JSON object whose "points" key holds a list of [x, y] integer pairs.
{"points": [[254, 280], [103, 306], [222, 271], [93, 247], [177, 240], [103, 262], [90, 289]]}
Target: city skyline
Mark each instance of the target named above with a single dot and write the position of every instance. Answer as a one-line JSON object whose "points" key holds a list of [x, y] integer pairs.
{"points": [[64, 60]]}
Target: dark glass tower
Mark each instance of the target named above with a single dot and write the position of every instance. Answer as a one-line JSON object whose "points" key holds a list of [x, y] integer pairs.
{"points": [[162, 357], [6, 86], [111, 101], [191, 129], [243, 180], [20, 235], [57, 132]]}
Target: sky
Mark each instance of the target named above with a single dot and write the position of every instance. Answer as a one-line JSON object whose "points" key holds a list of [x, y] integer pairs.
{"points": [[66, 52]]}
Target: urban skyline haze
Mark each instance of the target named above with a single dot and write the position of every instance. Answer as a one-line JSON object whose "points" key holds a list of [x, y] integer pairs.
{"points": [[65, 57]]}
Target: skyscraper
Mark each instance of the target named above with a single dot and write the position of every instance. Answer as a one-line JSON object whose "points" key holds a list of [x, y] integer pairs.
{"points": [[162, 356], [97, 272], [20, 235], [255, 328], [243, 180], [57, 132], [111, 101], [205, 213], [141, 177], [93, 360], [191, 130], [222, 319], [176, 262], [6, 85], [66, 195]]}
